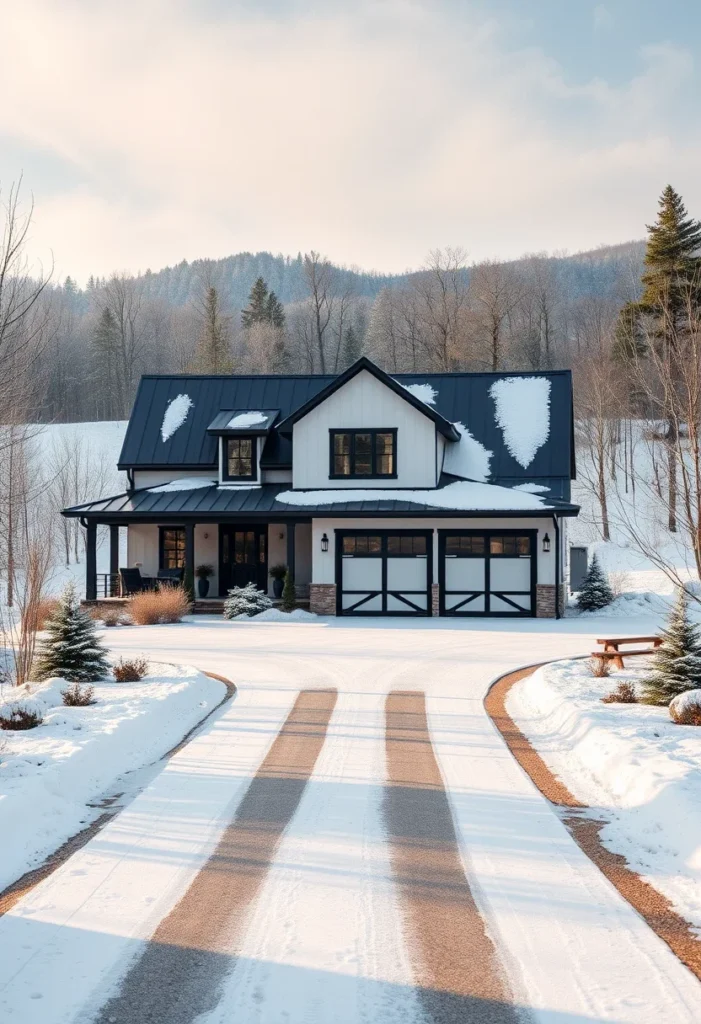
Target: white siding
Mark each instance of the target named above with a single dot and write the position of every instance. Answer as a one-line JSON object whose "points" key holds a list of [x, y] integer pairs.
{"points": [[323, 568], [364, 402], [154, 477], [142, 547]]}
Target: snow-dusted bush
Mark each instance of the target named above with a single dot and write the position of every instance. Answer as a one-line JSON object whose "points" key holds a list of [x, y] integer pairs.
{"points": [[676, 663], [685, 708], [595, 592], [600, 667], [130, 670], [19, 717], [77, 696], [159, 606], [623, 694], [246, 600]]}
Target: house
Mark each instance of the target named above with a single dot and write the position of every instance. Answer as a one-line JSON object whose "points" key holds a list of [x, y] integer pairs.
{"points": [[418, 494]]}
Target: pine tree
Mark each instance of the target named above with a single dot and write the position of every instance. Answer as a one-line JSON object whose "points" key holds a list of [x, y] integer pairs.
{"points": [[629, 339], [257, 311], [352, 347], [676, 664], [106, 345], [673, 253], [213, 350], [595, 592], [275, 311], [72, 649]]}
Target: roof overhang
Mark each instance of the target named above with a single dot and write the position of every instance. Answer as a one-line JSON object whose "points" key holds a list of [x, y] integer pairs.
{"points": [[445, 427]]}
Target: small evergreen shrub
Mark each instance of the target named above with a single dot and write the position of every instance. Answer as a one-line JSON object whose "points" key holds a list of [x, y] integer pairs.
{"points": [[159, 606], [72, 648], [130, 671], [246, 600], [685, 709], [676, 663], [623, 694], [600, 667], [595, 592], [18, 718], [289, 596], [77, 696]]}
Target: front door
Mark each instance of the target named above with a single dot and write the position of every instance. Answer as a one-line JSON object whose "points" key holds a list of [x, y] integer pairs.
{"points": [[243, 557]]}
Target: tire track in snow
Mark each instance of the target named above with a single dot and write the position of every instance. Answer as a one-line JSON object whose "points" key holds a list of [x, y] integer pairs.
{"points": [[179, 975], [457, 970]]}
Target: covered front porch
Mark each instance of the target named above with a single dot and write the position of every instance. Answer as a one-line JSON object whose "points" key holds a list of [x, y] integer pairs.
{"points": [[238, 552]]}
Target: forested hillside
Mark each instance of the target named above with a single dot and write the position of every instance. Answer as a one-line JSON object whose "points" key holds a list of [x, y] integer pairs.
{"points": [[537, 312]]}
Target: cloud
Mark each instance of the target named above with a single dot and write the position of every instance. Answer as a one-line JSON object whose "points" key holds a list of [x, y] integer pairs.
{"points": [[603, 19], [372, 132]]}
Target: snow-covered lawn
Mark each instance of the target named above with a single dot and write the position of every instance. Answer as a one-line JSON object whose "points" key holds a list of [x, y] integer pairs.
{"points": [[630, 763], [50, 773]]}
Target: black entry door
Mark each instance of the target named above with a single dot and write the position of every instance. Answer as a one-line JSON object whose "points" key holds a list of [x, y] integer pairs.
{"points": [[243, 557]]}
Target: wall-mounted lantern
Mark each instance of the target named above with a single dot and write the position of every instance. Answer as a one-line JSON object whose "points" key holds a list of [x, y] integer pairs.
{"points": [[324, 543], [546, 544]]}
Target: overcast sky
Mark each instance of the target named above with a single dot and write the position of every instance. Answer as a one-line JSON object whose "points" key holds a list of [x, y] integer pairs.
{"points": [[151, 131]]}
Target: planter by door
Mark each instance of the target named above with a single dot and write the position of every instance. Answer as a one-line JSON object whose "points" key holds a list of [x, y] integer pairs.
{"points": [[278, 587], [202, 587]]}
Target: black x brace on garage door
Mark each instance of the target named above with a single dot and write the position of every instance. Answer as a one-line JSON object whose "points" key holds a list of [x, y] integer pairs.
{"points": [[382, 547]]}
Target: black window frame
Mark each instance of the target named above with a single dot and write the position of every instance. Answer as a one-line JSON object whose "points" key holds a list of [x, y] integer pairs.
{"points": [[162, 530], [353, 432], [226, 475]]}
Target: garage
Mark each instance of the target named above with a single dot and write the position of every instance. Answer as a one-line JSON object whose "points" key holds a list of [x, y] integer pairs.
{"points": [[384, 572], [484, 572]]}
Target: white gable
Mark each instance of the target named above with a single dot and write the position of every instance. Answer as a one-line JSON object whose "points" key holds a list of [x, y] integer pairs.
{"points": [[365, 402]]}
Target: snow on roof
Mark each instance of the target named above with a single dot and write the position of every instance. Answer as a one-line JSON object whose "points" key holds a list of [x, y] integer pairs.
{"points": [[462, 494], [523, 414], [185, 483], [247, 419], [175, 415], [468, 458], [425, 393], [532, 488]]}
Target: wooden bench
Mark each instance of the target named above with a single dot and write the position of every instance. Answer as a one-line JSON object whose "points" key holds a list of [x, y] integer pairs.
{"points": [[612, 648]]}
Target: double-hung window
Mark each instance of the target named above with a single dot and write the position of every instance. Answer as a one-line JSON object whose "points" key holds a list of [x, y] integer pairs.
{"points": [[240, 461], [363, 453]]}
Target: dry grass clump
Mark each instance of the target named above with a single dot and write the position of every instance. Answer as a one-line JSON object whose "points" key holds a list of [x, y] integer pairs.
{"points": [[20, 718], [685, 709], [158, 606], [130, 671], [623, 694], [600, 668], [77, 696], [35, 617]]}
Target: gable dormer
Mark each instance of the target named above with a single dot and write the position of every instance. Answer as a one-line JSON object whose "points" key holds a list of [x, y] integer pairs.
{"points": [[241, 435], [365, 430]]}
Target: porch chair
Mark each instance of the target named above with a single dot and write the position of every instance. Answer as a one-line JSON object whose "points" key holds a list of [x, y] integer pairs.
{"points": [[170, 577], [132, 582]]}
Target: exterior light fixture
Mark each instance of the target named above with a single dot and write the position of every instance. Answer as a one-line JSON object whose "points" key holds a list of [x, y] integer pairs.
{"points": [[546, 544], [324, 543]]}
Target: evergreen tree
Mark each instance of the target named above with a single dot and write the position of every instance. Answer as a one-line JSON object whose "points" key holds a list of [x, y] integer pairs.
{"points": [[72, 648], [629, 339], [213, 350], [673, 254], [352, 347], [275, 311], [257, 311], [106, 346], [595, 591], [676, 664], [289, 596]]}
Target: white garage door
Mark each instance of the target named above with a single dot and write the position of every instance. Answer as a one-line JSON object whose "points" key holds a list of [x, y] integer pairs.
{"points": [[488, 573], [384, 573]]}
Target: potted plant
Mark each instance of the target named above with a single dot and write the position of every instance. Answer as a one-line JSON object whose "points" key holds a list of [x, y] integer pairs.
{"points": [[277, 575], [203, 572]]}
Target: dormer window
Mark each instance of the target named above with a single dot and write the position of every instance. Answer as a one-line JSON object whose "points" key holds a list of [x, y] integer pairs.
{"points": [[362, 454], [240, 462]]}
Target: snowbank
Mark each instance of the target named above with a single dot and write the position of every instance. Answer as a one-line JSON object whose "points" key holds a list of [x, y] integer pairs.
{"points": [[48, 774], [175, 415], [276, 615], [629, 763], [185, 483], [460, 495]]}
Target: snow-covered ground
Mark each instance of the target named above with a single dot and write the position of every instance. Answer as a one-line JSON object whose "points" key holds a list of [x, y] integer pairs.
{"points": [[323, 939], [50, 773], [630, 763]]}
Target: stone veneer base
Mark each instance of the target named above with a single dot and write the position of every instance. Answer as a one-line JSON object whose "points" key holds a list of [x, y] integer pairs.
{"points": [[322, 598]]}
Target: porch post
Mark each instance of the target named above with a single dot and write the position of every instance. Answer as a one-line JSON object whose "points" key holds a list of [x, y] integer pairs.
{"points": [[91, 560], [114, 559], [189, 574], [291, 548]]}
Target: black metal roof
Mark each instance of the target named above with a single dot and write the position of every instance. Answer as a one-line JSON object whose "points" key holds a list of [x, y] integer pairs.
{"points": [[215, 502], [461, 397]]}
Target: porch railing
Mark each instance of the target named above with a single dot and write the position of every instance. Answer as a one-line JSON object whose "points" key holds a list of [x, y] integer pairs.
{"points": [[108, 585]]}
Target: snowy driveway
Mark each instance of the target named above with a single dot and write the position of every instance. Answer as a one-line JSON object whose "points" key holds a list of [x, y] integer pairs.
{"points": [[297, 861]]}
